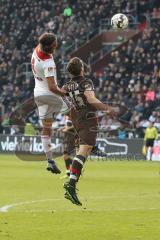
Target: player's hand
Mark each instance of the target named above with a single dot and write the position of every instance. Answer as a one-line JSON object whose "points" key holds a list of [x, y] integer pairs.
{"points": [[66, 129], [60, 129], [117, 111], [112, 111], [120, 111], [63, 90]]}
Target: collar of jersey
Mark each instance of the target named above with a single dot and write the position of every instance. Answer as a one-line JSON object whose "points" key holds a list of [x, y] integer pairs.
{"points": [[41, 55], [77, 78]]}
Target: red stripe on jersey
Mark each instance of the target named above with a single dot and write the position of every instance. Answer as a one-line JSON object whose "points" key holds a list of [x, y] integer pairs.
{"points": [[42, 55]]}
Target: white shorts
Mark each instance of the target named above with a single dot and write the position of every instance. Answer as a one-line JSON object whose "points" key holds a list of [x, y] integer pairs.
{"points": [[50, 104]]}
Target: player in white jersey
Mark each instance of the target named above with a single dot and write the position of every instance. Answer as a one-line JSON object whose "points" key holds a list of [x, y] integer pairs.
{"points": [[48, 96]]}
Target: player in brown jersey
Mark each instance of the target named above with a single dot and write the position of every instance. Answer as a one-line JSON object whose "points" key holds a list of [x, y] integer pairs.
{"points": [[69, 143], [84, 119]]}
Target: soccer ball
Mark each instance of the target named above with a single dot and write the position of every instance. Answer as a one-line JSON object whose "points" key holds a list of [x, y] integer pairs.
{"points": [[119, 22]]}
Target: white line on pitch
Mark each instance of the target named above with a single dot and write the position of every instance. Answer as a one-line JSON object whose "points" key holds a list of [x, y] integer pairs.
{"points": [[9, 206]]}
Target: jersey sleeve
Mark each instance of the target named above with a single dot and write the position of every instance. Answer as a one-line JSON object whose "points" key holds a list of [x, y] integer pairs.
{"points": [[88, 85], [49, 69]]}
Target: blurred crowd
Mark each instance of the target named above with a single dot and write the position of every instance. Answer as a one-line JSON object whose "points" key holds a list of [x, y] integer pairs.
{"points": [[135, 67], [132, 78]]}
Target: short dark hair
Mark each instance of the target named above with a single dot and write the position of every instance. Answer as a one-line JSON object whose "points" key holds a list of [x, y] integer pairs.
{"points": [[46, 40], [74, 66], [86, 68]]}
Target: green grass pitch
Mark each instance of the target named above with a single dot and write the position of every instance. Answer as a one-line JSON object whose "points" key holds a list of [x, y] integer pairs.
{"points": [[121, 201]]}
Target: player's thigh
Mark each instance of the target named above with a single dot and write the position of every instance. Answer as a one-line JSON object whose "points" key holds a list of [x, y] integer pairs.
{"points": [[87, 135], [85, 150], [45, 110], [48, 105]]}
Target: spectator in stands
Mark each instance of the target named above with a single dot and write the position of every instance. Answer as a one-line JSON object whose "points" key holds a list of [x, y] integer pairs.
{"points": [[1, 127], [122, 133], [150, 95]]}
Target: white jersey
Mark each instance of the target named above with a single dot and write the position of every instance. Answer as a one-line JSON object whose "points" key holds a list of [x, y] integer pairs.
{"points": [[43, 66]]}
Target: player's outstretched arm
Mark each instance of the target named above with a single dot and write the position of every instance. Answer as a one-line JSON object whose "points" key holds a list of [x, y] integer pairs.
{"points": [[91, 98]]}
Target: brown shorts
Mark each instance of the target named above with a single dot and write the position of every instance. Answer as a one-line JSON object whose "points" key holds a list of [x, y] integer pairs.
{"points": [[86, 125]]}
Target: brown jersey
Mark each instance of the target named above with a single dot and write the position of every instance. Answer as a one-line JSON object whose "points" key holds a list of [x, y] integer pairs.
{"points": [[75, 89], [83, 114]]}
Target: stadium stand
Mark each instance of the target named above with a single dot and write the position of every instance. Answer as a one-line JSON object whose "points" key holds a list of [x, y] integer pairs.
{"points": [[136, 66]]}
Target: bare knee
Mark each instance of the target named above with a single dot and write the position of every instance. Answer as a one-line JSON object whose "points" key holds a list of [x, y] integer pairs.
{"points": [[47, 127], [65, 156], [85, 150]]}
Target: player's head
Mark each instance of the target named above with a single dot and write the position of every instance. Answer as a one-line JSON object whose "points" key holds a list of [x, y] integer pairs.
{"points": [[76, 67], [48, 42], [86, 69]]}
